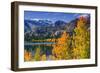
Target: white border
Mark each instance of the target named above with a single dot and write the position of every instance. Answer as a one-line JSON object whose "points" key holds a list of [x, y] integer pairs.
{"points": [[34, 64]]}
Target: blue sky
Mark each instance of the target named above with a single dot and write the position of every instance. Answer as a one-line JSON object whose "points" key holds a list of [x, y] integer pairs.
{"points": [[52, 16]]}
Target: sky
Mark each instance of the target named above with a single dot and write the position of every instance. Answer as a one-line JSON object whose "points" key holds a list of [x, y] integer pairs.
{"points": [[52, 16]]}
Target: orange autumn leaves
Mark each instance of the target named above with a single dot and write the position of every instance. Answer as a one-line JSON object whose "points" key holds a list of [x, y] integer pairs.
{"points": [[76, 46], [27, 55], [60, 49]]}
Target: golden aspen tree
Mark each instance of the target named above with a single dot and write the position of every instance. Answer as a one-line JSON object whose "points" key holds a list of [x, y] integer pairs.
{"points": [[60, 49], [37, 54], [52, 57], [43, 57], [81, 40], [27, 56]]}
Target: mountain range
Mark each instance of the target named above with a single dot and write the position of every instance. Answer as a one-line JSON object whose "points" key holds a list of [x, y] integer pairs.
{"points": [[48, 29]]}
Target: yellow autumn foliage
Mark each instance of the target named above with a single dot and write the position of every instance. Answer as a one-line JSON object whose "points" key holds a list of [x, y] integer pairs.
{"points": [[37, 56], [51, 57], [27, 55], [60, 49], [81, 40], [43, 57]]}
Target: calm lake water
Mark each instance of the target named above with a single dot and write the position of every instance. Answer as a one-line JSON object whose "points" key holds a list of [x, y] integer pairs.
{"points": [[39, 43], [32, 46]]}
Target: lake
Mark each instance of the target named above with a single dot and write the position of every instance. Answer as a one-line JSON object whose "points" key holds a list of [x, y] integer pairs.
{"points": [[39, 43], [45, 47]]}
